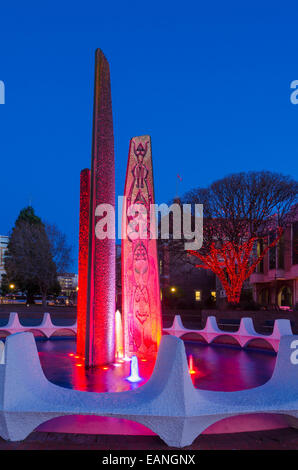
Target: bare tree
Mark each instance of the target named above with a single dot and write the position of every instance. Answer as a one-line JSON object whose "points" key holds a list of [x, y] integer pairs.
{"points": [[240, 211], [60, 249], [244, 204]]}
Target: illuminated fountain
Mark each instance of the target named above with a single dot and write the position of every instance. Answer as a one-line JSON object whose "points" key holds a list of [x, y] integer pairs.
{"points": [[66, 368], [134, 370], [118, 336], [191, 368], [101, 336]]}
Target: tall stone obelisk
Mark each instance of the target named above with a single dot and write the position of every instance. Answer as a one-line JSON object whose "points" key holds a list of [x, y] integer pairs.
{"points": [[141, 309], [100, 318]]}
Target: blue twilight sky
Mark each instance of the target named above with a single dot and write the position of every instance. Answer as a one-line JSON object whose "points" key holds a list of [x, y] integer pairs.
{"points": [[209, 81]]}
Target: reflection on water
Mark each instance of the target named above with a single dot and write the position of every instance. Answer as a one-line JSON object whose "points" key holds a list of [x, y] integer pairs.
{"points": [[229, 368], [217, 368]]}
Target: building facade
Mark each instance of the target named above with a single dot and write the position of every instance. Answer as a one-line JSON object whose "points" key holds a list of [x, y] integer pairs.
{"points": [[68, 283], [275, 282], [182, 284], [4, 239]]}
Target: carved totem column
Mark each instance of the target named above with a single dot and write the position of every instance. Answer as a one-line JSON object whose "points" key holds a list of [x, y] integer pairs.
{"points": [[141, 308]]}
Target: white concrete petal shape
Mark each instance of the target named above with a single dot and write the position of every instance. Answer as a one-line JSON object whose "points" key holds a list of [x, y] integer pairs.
{"points": [[13, 322], [1, 352], [46, 327], [243, 336]]}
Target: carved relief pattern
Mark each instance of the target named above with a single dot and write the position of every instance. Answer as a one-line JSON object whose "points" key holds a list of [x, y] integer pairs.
{"points": [[140, 283]]}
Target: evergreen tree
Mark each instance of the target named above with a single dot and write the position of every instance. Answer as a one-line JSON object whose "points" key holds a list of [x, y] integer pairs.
{"points": [[29, 260]]}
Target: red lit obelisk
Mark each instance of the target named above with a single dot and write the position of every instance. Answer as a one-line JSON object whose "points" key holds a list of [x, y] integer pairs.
{"points": [[141, 309], [100, 317], [83, 260]]}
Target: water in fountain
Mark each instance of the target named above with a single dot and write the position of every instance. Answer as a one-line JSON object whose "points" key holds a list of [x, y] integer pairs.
{"points": [[134, 370], [191, 366]]}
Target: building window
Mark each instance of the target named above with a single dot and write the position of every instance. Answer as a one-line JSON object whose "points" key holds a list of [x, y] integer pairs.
{"points": [[260, 265], [285, 297], [281, 254], [198, 295], [295, 243], [264, 296], [213, 295]]}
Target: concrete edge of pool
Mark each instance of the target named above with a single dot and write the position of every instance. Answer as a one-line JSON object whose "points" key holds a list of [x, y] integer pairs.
{"points": [[168, 403]]}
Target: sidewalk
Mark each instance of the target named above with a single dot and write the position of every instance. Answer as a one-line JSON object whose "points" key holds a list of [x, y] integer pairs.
{"points": [[278, 439]]}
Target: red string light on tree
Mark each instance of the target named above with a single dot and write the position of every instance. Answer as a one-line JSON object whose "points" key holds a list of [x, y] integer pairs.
{"points": [[233, 263]]}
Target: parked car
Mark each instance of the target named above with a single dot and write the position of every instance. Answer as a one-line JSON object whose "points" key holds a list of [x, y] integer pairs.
{"points": [[61, 300]]}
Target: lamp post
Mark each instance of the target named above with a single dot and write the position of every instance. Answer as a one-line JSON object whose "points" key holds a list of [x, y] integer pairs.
{"points": [[173, 297], [11, 287]]}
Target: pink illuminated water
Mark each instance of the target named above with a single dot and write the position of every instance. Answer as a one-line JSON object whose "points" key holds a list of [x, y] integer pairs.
{"points": [[216, 368]]}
